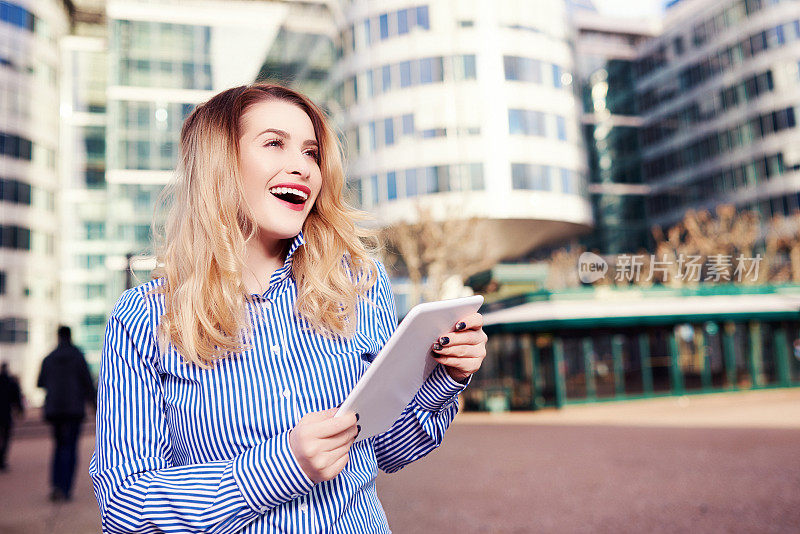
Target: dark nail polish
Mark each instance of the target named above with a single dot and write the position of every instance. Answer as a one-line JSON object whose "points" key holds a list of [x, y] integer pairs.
{"points": [[461, 326], [444, 340], [436, 346], [358, 417]]}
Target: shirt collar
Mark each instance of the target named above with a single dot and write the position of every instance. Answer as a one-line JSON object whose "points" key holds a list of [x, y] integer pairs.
{"points": [[296, 242], [284, 271]]}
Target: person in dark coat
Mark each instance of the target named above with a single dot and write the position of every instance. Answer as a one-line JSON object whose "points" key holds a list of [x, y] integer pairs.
{"points": [[10, 399], [65, 375]]}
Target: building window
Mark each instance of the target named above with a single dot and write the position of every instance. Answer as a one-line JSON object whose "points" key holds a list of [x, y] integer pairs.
{"points": [[95, 229], [15, 146], [383, 23], [405, 74], [15, 237], [391, 185], [561, 128], [95, 261], [408, 124], [94, 291], [388, 131], [411, 183], [530, 176], [374, 186], [17, 16], [526, 122], [522, 69], [13, 330], [422, 17], [15, 191]]}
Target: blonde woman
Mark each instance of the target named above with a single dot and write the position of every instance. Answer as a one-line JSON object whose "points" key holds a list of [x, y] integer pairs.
{"points": [[220, 377]]}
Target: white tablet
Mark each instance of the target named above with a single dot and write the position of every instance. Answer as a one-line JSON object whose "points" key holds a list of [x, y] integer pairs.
{"points": [[404, 363]]}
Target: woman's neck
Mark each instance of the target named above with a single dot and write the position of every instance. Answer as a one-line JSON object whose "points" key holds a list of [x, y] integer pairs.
{"points": [[262, 258]]}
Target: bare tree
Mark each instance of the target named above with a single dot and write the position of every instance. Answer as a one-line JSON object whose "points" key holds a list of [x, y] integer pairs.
{"points": [[433, 251]]}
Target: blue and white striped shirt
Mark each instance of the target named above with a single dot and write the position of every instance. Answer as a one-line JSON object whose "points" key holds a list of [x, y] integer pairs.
{"points": [[183, 449]]}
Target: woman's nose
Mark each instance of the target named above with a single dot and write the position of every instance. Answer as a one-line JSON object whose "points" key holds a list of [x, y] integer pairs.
{"points": [[298, 164]]}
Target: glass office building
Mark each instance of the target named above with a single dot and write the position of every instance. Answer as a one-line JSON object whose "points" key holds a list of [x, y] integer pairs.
{"points": [[84, 274], [717, 92], [29, 114], [606, 51], [165, 58]]}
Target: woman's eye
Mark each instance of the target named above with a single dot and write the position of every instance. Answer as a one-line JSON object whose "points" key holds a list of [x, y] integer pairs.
{"points": [[274, 142], [313, 153]]}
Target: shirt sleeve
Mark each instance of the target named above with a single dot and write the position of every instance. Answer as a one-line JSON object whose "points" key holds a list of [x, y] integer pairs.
{"points": [[137, 485], [421, 427]]}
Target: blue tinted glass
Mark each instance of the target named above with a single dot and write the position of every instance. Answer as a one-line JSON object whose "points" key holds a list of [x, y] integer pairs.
{"points": [[510, 67], [405, 74], [469, 67], [518, 176], [387, 78], [411, 182], [566, 181], [426, 70], [561, 127], [383, 22], [515, 123], [556, 76], [373, 140], [367, 31], [374, 182], [408, 124], [388, 130], [431, 180], [391, 185], [402, 21], [422, 17]]}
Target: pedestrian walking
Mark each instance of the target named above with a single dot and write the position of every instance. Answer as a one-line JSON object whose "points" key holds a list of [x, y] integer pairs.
{"points": [[69, 386], [10, 401], [220, 377]]}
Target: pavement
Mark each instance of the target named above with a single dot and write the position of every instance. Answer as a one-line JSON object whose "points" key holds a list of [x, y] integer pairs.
{"points": [[702, 463]]}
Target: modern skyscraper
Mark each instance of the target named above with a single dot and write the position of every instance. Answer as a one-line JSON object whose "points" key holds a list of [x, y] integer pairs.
{"points": [[719, 97], [606, 50], [29, 114], [165, 58], [84, 278]]}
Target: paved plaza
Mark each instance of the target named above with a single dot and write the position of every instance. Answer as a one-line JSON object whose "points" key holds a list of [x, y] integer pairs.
{"points": [[717, 463]]}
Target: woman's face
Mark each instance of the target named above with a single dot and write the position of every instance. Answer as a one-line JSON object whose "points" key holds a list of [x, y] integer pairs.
{"points": [[279, 165]]}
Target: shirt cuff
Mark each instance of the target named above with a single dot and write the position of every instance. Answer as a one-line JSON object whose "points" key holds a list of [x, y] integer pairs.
{"points": [[438, 389], [268, 474]]}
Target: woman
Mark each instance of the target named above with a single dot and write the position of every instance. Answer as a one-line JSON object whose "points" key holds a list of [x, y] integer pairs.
{"points": [[220, 377]]}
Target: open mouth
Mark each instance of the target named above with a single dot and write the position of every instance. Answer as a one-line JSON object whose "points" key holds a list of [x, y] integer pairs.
{"points": [[290, 195]]}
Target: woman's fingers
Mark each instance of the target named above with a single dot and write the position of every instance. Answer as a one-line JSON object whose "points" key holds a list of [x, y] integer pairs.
{"points": [[470, 322], [468, 337], [333, 426]]}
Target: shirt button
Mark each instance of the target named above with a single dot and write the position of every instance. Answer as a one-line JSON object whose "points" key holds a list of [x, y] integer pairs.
{"points": [[276, 350], [286, 393], [303, 507]]}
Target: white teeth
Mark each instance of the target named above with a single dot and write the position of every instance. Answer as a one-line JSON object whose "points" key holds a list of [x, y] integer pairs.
{"points": [[284, 190]]}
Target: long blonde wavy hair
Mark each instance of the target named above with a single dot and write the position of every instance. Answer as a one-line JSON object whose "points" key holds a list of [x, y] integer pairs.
{"points": [[201, 252]]}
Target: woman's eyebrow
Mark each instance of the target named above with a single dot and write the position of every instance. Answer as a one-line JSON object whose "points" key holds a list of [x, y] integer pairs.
{"points": [[277, 131]]}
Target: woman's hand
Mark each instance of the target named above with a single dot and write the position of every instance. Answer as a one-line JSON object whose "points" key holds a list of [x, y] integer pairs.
{"points": [[321, 443], [462, 351]]}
